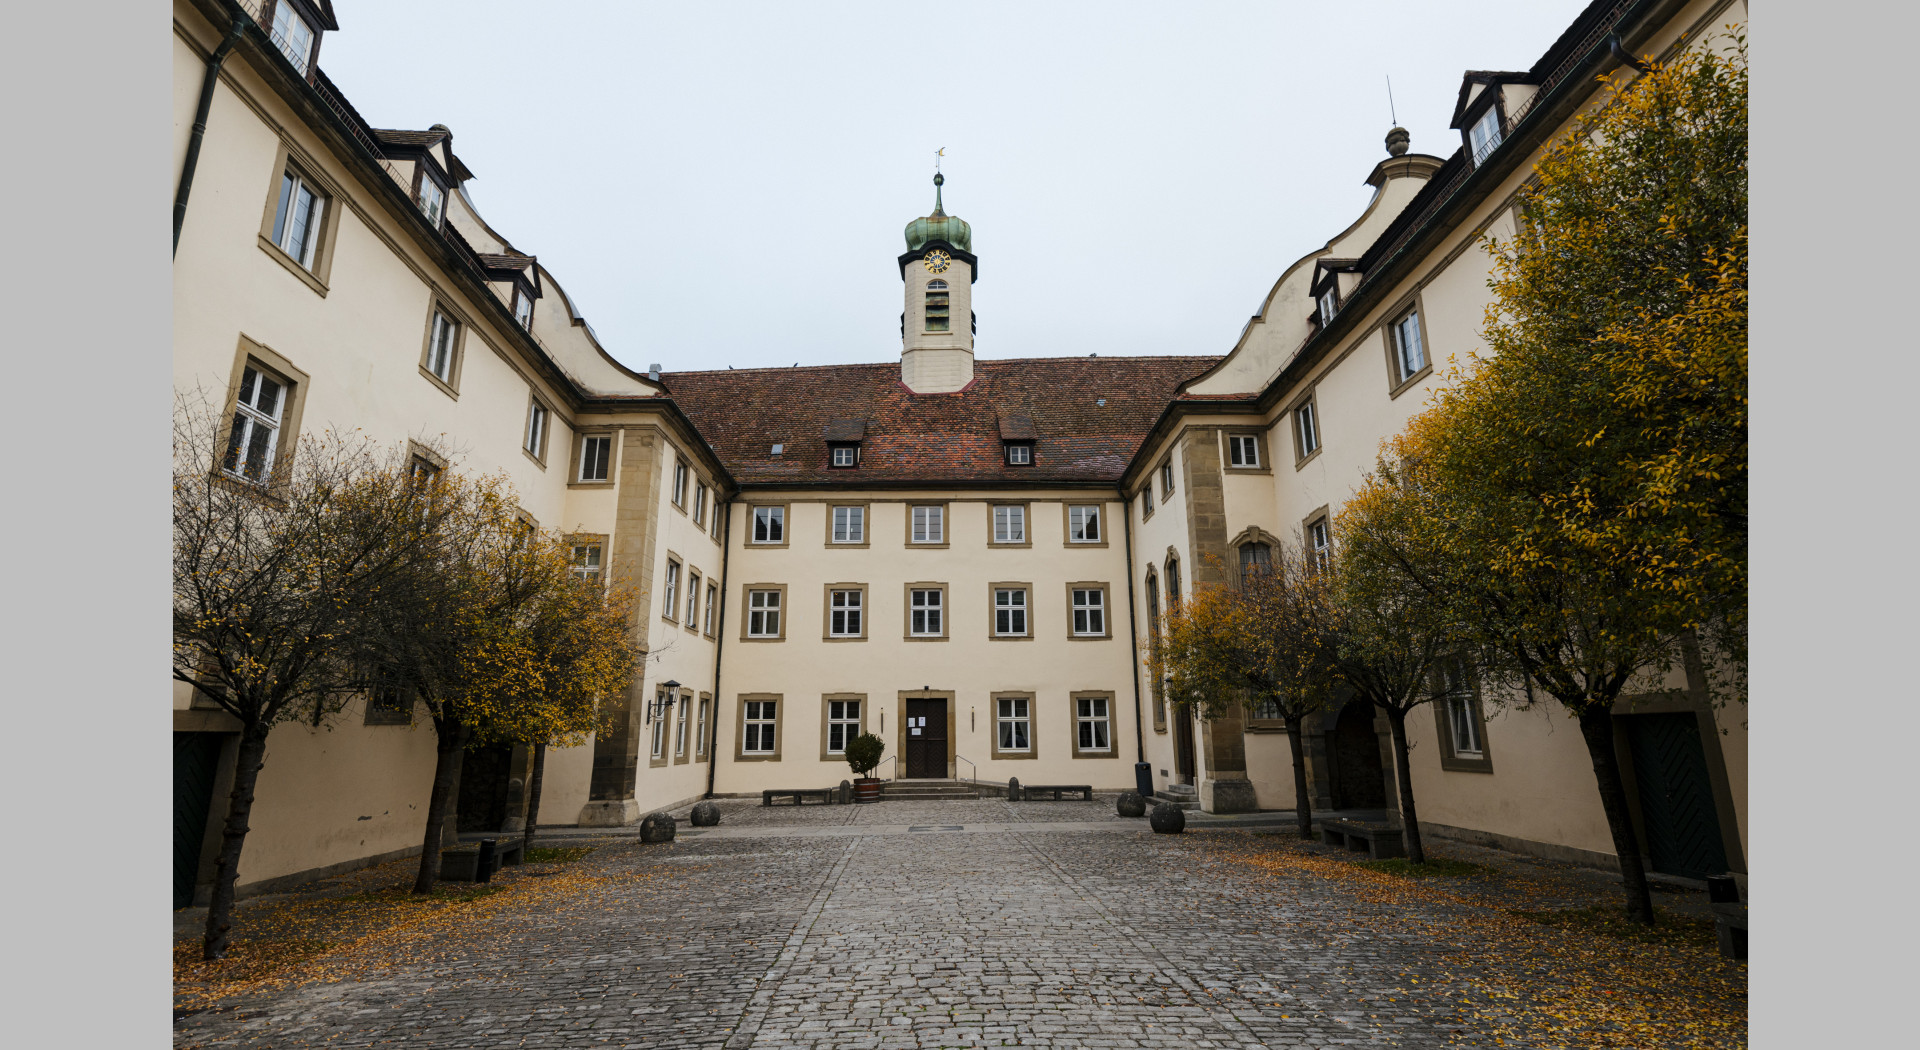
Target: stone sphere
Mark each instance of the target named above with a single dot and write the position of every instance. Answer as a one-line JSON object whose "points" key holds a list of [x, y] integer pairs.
{"points": [[657, 827], [705, 815], [1131, 804], [1168, 819]]}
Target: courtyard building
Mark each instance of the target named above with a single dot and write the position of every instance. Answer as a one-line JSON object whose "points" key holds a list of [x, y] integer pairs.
{"points": [[960, 553]]}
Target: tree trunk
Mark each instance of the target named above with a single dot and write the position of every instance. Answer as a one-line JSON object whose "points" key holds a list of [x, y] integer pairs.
{"points": [[1403, 772], [450, 750], [226, 871], [533, 792], [1302, 802], [1596, 725]]}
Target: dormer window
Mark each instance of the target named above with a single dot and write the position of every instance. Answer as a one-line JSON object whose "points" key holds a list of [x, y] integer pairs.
{"points": [[1019, 454], [433, 199], [523, 308], [845, 455], [1329, 305], [1484, 136], [293, 36], [937, 317]]}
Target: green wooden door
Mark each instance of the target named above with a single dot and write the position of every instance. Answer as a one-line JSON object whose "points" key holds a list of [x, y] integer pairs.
{"points": [[1676, 799], [195, 758]]}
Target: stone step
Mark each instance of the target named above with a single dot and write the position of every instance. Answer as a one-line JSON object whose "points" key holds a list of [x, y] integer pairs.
{"points": [[928, 789], [1176, 801]]}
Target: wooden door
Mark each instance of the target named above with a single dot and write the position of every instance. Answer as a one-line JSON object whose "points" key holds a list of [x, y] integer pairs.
{"points": [[1183, 756], [1676, 798], [926, 734], [196, 758], [1359, 776]]}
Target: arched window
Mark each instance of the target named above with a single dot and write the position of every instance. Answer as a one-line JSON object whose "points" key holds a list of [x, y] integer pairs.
{"points": [[1153, 639], [1173, 580], [937, 317], [1255, 557]]}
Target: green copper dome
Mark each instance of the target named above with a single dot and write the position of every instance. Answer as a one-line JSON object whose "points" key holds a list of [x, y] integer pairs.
{"points": [[939, 226]]}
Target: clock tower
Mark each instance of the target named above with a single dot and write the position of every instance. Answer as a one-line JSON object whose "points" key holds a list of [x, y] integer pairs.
{"points": [[936, 328]]}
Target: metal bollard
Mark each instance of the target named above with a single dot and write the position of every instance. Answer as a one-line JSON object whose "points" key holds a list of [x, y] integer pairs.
{"points": [[484, 864], [1143, 778]]}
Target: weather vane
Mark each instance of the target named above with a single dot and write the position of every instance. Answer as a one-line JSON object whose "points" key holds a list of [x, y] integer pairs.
{"points": [[937, 154]]}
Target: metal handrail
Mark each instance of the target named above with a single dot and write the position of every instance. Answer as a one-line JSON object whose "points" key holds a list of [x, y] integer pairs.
{"points": [[958, 758], [896, 768]]}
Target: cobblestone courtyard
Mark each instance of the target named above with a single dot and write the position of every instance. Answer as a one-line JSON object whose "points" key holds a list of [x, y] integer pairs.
{"points": [[1039, 924]]}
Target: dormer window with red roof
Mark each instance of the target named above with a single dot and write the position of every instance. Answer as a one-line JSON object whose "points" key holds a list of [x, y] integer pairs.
{"points": [[1017, 435], [843, 442], [293, 36], [845, 455], [1019, 453], [523, 308], [431, 196]]}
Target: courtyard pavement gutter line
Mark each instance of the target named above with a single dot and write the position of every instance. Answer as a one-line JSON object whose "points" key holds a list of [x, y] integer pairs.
{"points": [[769, 984], [1230, 1024]]}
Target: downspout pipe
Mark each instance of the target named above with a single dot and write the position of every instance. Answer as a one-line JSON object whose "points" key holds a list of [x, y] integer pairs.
{"points": [[200, 126], [719, 639], [1139, 731]]}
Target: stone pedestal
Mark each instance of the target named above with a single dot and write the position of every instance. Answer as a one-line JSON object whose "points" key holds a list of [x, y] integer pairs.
{"points": [[609, 813], [1228, 796]]}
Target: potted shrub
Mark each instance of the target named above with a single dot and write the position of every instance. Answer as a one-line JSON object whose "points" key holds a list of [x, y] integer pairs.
{"points": [[863, 754]]}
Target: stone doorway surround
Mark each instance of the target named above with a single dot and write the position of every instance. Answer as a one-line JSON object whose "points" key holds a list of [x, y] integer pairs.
{"points": [[900, 735]]}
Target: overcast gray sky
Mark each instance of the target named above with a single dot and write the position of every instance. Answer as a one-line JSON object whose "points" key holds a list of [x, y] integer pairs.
{"points": [[726, 184]]}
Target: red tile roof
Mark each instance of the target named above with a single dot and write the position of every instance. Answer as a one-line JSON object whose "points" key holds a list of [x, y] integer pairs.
{"points": [[932, 438]]}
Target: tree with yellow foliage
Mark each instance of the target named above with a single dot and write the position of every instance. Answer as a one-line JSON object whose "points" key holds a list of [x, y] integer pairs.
{"points": [[1582, 489]]}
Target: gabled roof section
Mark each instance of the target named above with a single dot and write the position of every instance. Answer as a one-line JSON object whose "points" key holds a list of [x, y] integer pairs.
{"points": [[843, 430], [1088, 416], [1018, 428], [1487, 78]]}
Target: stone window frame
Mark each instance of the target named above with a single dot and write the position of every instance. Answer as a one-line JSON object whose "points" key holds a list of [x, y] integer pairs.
{"points": [[439, 302], [1166, 472], [694, 581], [1310, 402], [946, 612], [786, 525], [1113, 718], [709, 620], [660, 730], [1066, 526], [1026, 524], [702, 726], [1259, 436], [826, 722], [672, 577], [826, 612], [289, 156], [1033, 725], [682, 749], [740, 753], [578, 455], [701, 490], [1263, 725], [1255, 534], [679, 480], [993, 612], [1158, 686], [946, 525], [1318, 516], [1450, 760], [1106, 611], [592, 539], [1146, 499], [746, 612], [539, 456], [383, 715], [1390, 335], [866, 526], [295, 382], [1173, 577]]}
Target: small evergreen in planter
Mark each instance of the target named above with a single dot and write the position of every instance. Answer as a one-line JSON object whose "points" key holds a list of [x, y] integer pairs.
{"points": [[863, 755]]}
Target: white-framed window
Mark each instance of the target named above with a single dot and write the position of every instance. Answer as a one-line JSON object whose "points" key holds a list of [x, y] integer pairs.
{"points": [[1094, 723], [680, 483], [671, 592], [1015, 723], [536, 428], [699, 503], [1329, 305], [700, 729], [1484, 136], [297, 218], [760, 722], [845, 455], [1020, 455], [693, 601], [843, 724], [1319, 544], [1166, 479], [1083, 524], [440, 346], [1306, 428], [719, 515], [1089, 611], [929, 525], [1146, 499], [1009, 524], [849, 524], [293, 36], [1408, 353], [924, 608], [680, 728], [596, 452], [769, 524], [1010, 612], [713, 599], [433, 199], [1243, 450], [658, 740], [523, 309], [763, 614], [843, 614], [256, 425], [1463, 720], [586, 561]]}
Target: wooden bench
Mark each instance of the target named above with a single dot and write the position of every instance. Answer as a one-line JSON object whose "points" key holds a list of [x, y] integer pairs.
{"points": [[463, 863], [799, 795], [1729, 915], [1380, 841], [1032, 792]]}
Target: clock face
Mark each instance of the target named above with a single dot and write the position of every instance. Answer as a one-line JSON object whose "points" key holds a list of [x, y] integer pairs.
{"points": [[937, 261]]}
